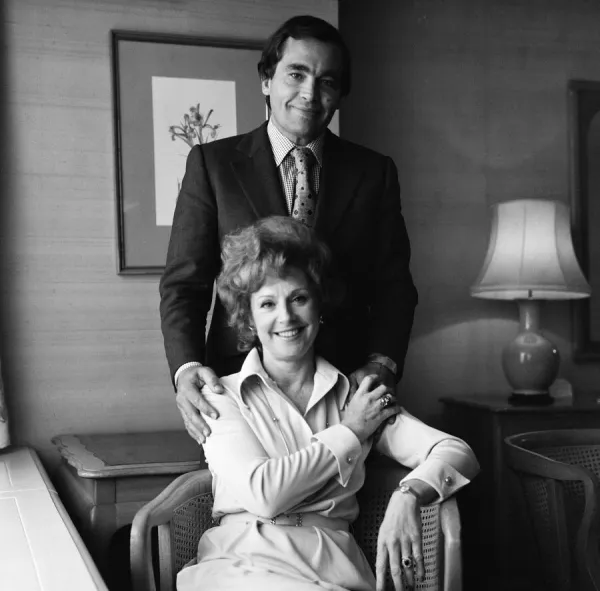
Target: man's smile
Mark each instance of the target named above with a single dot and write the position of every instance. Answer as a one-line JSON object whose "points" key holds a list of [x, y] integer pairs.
{"points": [[306, 111]]}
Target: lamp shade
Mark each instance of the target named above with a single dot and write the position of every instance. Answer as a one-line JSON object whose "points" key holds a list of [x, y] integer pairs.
{"points": [[530, 254]]}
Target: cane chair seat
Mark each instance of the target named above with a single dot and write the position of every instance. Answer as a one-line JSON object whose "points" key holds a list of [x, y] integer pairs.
{"points": [[559, 471], [182, 512]]}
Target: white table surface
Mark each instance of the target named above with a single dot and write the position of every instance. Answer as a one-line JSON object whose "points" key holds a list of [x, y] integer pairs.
{"points": [[40, 549]]}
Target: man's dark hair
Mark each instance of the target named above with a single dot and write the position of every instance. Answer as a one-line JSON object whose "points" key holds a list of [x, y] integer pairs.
{"points": [[303, 27]]}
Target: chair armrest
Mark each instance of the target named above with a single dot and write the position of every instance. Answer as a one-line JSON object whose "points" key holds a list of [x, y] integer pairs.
{"points": [[451, 531], [160, 509], [157, 512]]}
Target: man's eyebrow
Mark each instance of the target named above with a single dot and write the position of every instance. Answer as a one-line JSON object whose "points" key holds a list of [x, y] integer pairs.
{"points": [[299, 67]]}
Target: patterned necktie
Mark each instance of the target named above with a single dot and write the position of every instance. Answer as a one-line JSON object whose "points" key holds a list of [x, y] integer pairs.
{"points": [[304, 197]]}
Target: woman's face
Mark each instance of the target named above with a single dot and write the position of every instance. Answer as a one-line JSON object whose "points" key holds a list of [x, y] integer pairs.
{"points": [[286, 316]]}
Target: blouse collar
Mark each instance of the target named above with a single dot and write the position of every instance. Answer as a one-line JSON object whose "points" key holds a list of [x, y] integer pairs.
{"points": [[327, 377]]}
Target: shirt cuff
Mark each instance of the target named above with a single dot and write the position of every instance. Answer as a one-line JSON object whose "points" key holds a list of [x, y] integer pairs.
{"points": [[438, 474], [183, 367], [345, 446], [383, 360]]}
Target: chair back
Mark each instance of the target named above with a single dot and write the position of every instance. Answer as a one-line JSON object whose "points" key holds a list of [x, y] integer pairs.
{"points": [[559, 473], [182, 513], [189, 521]]}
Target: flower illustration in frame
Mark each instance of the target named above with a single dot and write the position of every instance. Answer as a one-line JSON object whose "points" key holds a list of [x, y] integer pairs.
{"points": [[195, 127], [186, 112]]}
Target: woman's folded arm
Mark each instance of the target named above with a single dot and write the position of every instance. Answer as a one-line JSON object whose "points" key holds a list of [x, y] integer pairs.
{"points": [[269, 486], [444, 462]]}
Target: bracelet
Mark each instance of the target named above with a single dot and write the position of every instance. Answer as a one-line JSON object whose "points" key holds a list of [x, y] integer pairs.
{"points": [[405, 489]]}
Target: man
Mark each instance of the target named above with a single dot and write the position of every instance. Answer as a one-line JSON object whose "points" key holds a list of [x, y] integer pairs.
{"points": [[349, 194]]}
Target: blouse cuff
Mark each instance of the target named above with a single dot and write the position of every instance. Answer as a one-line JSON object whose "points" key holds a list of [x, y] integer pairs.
{"points": [[439, 475], [345, 446]]}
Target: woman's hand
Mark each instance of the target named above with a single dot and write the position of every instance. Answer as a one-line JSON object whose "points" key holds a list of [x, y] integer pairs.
{"points": [[369, 407], [400, 537]]}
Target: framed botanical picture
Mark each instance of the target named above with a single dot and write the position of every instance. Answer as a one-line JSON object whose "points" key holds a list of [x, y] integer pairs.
{"points": [[170, 93]]}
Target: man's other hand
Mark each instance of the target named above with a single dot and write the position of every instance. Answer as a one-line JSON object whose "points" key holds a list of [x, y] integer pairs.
{"points": [[384, 376]]}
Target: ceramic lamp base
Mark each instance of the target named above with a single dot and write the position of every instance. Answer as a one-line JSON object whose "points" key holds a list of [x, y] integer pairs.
{"points": [[531, 361]]}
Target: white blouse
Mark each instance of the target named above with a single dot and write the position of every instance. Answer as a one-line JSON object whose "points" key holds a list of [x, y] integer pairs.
{"points": [[267, 458]]}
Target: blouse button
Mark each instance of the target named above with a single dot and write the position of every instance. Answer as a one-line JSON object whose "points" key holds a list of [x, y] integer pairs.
{"points": [[327, 424], [449, 480], [349, 459]]}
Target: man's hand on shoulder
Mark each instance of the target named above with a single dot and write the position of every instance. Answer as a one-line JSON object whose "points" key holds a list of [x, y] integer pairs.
{"points": [[191, 402]]}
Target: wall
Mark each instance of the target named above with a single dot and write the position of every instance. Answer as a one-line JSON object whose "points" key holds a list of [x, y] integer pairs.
{"points": [[470, 100], [81, 346]]}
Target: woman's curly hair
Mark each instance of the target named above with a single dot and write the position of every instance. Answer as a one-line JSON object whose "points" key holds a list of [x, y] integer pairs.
{"points": [[271, 246]]}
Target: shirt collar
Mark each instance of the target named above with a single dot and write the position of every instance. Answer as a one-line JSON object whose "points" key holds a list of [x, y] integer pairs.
{"points": [[326, 378], [282, 145]]}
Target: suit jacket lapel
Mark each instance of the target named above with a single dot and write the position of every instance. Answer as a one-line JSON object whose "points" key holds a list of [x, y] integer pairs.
{"points": [[257, 174], [339, 183]]}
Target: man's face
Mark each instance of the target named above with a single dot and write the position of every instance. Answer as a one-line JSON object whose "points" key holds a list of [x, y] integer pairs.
{"points": [[305, 89]]}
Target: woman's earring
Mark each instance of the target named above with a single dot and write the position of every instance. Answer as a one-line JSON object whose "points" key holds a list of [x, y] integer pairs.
{"points": [[321, 320]]}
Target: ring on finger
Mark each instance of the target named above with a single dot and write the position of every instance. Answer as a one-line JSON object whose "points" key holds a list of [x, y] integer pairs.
{"points": [[385, 400], [408, 562]]}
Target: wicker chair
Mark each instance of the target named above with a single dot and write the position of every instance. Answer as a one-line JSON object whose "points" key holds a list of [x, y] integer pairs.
{"points": [[559, 471], [182, 512]]}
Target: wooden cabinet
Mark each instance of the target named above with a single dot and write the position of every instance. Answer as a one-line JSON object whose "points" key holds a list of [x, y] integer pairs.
{"points": [[497, 541]]}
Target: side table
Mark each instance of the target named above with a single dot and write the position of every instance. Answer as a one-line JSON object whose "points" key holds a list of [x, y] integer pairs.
{"points": [[497, 541], [104, 479]]}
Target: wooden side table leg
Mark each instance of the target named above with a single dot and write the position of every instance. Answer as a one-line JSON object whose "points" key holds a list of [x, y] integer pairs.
{"points": [[99, 532]]}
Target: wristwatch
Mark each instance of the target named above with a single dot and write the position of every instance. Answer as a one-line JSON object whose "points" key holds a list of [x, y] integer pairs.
{"points": [[405, 489]]}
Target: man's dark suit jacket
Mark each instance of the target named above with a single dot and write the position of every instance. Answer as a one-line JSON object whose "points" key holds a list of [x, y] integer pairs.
{"points": [[231, 183]]}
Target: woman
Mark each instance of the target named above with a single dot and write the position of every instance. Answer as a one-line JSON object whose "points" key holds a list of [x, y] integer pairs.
{"points": [[290, 444]]}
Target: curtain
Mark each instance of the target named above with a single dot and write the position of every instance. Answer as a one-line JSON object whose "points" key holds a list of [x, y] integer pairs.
{"points": [[4, 438]]}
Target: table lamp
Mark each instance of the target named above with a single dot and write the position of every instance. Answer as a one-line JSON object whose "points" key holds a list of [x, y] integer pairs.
{"points": [[530, 258]]}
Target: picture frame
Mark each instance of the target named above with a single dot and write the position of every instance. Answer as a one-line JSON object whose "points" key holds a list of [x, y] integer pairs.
{"points": [[169, 93], [584, 149]]}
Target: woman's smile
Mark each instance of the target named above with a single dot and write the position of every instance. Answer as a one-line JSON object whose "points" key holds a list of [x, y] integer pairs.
{"points": [[290, 333], [286, 316]]}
